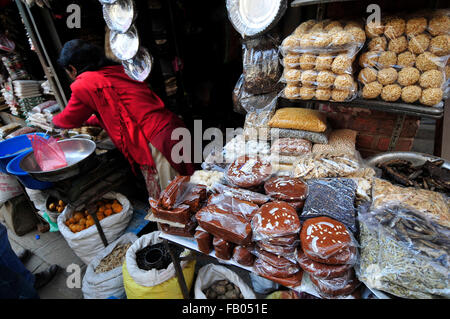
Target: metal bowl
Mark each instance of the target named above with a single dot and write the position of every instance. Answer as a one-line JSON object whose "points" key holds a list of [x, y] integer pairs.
{"points": [[119, 15], [140, 66], [415, 158], [80, 156], [124, 45]]}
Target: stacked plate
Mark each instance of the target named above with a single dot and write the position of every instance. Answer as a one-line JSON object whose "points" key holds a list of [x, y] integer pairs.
{"points": [[27, 88], [119, 16]]}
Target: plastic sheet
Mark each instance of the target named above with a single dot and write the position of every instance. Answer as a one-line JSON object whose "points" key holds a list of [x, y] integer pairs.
{"points": [[339, 286], [266, 269], [223, 249], [406, 57], [242, 194], [328, 241], [47, 152], [291, 281], [334, 198], [314, 137], [299, 119], [173, 192], [236, 206], [274, 260], [320, 270], [289, 189], [248, 172], [291, 146], [260, 109]]}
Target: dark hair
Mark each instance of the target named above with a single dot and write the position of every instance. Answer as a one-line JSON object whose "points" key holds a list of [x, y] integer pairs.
{"points": [[84, 56]]}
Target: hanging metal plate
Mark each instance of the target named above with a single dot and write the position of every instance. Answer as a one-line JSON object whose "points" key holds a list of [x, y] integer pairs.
{"points": [[120, 15], [124, 45], [140, 66]]}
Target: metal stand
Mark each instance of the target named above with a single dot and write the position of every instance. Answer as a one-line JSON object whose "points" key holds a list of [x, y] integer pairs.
{"points": [[178, 270]]}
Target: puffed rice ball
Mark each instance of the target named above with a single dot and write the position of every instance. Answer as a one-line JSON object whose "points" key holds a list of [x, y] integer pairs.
{"points": [[367, 75], [323, 62], [377, 44], [358, 34], [291, 91], [325, 79], [341, 64], [447, 72], [427, 61], [394, 28], [415, 26], [387, 76], [290, 42], [406, 59], [308, 78], [331, 25], [304, 27], [307, 40], [352, 24], [341, 38], [439, 25], [431, 96], [291, 61], [440, 45], [317, 27], [340, 95], [307, 93], [369, 59], [387, 59], [323, 94], [374, 29], [343, 82], [321, 39], [307, 61], [391, 92], [292, 75], [411, 93], [398, 45], [419, 43], [431, 79], [372, 90], [408, 76]]}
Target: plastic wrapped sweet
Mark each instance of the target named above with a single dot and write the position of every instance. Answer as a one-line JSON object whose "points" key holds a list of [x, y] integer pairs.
{"points": [[207, 178], [320, 270], [236, 206], [314, 137], [400, 56], [291, 281], [222, 248], [187, 231], [264, 268], [275, 260], [180, 214], [291, 146], [328, 241], [243, 255], [333, 197], [289, 189], [173, 192], [248, 172], [299, 119], [340, 286], [404, 252], [242, 194], [238, 147], [204, 240], [340, 141]]}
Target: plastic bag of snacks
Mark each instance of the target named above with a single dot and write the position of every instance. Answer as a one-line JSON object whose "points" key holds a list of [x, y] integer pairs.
{"points": [[299, 119], [248, 172], [260, 109], [317, 60], [340, 141], [406, 57]]}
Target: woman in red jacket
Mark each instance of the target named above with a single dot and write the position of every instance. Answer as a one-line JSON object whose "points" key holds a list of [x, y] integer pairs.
{"points": [[134, 117]]}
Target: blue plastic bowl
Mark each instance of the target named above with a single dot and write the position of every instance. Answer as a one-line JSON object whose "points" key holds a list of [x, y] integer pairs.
{"points": [[13, 168], [12, 147]]}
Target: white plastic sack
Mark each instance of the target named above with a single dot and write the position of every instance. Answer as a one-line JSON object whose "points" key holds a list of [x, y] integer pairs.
{"points": [[262, 285], [210, 273], [109, 283], [87, 243], [9, 187], [39, 198], [152, 277]]}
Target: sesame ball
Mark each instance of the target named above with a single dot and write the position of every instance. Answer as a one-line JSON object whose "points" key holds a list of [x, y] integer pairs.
{"points": [[292, 75], [321, 39], [415, 26], [406, 59], [439, 25], [323, 94], [427, 61], [374, 29], [440, 45], [377, 44], [307, 61], [291, 61], [308, 78], [369, 59], [340, 95], [341, 64], [387, 59], [357, 34], [431, 96], [419, 43], [394, 28], [408, 76], [387, 76], [343, 82], [323, 62], [411, 93], [367, 75], [307, 93], [398, 45], [307, 40], [291, 91], [391, 92], [325, 79], [341, 38], [372, 90], [431, 79], [331, 25], [318, 26], [304, 27], [290, 42]]}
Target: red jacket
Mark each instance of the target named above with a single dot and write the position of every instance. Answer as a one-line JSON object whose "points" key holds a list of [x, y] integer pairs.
{"points": [[128, 110]]}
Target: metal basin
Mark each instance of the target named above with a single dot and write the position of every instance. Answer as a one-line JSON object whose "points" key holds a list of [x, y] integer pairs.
{"points": [[415, 158], [80, 156]]}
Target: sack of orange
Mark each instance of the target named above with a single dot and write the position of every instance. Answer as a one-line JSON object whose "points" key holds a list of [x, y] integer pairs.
{"points": [[82, 220]]}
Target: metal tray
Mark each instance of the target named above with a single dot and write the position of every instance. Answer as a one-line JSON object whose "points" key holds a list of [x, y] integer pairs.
{"points": [[124, 45], [415, 158], [120, 15], [140, 66]]}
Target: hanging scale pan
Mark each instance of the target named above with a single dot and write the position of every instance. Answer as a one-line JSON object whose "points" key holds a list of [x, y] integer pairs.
{"points": [[139, 67], [124, 45], [120, 15]]}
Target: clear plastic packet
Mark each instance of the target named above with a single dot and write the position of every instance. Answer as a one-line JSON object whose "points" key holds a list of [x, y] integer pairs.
{"points": [[341, 141], [264, 268], [234, 205], [326, 165], [285, 251], [405, 58], [328, 241], [222, 248], [333, 197], [260, 109], [248, 172], [47, 152], [261, 67], [320, 270], [238, 146], [276, 261], [243, 255], [204, 240], [404, 252], [240, 193], [180, 214], [187, 231], [314, 137], [289, 189], [291, 281], [177, 187], [239, 94], [299, 119], [283, 159], [223, 224], [207, 178], [291, 146], [340, 286], [275, 219]]}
